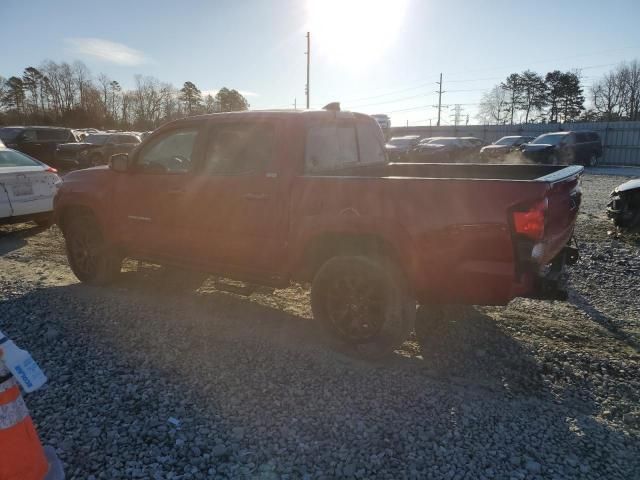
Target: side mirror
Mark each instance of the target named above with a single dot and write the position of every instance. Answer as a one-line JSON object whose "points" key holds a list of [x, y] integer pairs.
{"points": [[119, 162]]}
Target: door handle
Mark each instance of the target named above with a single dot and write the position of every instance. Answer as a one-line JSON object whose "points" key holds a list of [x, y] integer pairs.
{"points": [[255, 196], [176, 191]]}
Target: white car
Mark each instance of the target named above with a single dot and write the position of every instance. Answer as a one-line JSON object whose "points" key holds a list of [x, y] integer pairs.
{"points": [[27, 188]]}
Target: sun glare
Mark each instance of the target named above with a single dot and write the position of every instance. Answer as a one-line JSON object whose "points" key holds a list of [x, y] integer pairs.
{"points": [[353, 33]]}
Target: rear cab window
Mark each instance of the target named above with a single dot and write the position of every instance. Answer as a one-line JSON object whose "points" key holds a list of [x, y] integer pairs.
{"points": [[342, 143], [11, 158]]}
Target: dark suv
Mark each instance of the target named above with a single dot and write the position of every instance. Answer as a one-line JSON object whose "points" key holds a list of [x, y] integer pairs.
{"points": [[95, 149], [565, 148], [38, 142]]}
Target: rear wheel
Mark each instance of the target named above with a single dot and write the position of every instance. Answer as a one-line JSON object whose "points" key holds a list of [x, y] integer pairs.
{"points": [[364, 304], [90, 258]]}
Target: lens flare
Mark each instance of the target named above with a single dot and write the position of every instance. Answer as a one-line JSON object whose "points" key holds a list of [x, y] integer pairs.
{"points": [[354, 33]]}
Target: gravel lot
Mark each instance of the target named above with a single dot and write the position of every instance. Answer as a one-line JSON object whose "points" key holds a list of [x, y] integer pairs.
{"points": [[146, 383]]}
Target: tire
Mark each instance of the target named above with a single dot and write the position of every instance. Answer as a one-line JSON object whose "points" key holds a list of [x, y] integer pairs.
{"points": [[363, 304], [90, 258], [592, 161], [181, 280]]}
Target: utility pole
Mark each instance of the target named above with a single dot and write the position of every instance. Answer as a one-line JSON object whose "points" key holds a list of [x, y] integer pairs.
{"points": [[439, 92], [295, 103], [457, 114], [308, 53]]}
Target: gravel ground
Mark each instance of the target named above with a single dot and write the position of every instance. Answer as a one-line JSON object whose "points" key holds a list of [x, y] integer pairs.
{"points": [[151, 384]]}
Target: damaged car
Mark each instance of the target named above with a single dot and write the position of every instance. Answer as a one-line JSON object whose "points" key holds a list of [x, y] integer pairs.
{"points": [[624, 207]]}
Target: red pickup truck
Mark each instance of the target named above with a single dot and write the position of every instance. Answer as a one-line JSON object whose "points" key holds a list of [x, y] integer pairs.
{"points": [[309, 196]]}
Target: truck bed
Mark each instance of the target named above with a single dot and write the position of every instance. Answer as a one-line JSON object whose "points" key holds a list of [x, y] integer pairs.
{"points": [[466, 171], [452, 223]]}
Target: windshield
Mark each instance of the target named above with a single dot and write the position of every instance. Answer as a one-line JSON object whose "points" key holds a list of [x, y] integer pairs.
{"points": [[9, 134], [507, 141], [402, 141], [11, 158], [96, 139], [549, 139]]}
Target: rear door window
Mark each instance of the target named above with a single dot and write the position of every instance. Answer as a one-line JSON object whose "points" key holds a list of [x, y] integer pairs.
{"points": [[240, 149], [330, 146], [29, 136], [52, 135]]}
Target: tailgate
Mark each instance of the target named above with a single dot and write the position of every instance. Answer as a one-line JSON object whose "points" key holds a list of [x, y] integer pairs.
{"points": [[563, 196]]}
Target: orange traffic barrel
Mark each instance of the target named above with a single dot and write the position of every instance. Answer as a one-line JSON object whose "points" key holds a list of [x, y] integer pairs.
{"points": [[21, 454]]}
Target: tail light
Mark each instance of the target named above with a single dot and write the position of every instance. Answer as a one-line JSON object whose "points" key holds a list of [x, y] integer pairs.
{"points": [[530, 222]]}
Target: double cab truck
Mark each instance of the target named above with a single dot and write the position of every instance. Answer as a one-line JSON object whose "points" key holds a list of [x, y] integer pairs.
{"points": [[273, 197]]}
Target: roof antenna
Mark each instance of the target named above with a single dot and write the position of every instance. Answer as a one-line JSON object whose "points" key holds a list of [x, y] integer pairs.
{"points": [[332, 107]]}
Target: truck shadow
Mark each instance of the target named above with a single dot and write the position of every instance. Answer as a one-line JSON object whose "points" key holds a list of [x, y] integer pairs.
{"points": [[468, 350], [13, 237], [604, 320], [221, 361]]}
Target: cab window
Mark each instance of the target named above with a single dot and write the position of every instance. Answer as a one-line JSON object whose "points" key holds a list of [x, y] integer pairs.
{"points": [[240, 149], [330, 146], [171, 153]]}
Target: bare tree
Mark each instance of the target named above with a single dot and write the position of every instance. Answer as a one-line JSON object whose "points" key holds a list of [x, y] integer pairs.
{"points": [[104, 83], [82, 81], [630, 82], [492, 106], [607, 95]]}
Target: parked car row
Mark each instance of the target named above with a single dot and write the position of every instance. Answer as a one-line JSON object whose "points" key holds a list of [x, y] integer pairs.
{"points": [[69, 149], [413, 148], [557, 148]]}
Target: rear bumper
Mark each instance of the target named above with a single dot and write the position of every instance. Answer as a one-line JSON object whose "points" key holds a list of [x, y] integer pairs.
{"points": [[551, 283]]}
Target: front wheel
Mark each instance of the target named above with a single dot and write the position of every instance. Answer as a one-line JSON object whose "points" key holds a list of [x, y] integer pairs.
{"points": [[364, 303], [90, 258]]}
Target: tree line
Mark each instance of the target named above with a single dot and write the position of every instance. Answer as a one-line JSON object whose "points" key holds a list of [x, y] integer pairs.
{"points": [[559, 97], [616, 96], [68, 94], [530, 97]]}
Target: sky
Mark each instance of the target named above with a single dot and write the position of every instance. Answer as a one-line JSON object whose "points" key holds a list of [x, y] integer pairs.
{"points": [[374, 56]]}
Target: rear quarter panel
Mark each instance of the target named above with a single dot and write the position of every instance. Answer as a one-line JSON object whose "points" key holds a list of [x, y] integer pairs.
{"points": [[452, 237]]}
